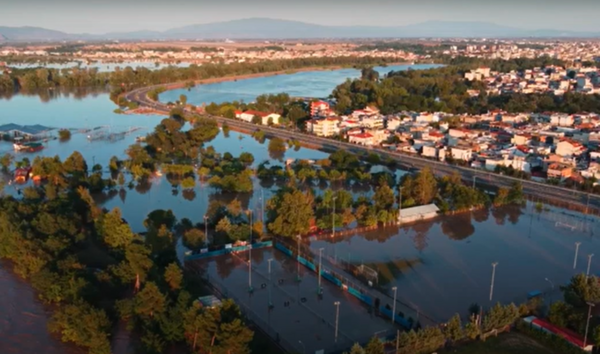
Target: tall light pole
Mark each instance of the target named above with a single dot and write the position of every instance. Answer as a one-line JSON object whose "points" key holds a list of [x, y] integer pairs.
{"points": [[589, 264], [333, 218], [206, 226], [552, 285], [250, 256], [298, 260], [395, 288], [337, 317], [270, 283], [587, 326], [303, 347], [493, 278], [577, 244], [400, 205], [320, 265]]}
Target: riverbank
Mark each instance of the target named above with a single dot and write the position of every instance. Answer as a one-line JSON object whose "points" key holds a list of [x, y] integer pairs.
{"points": [[216, 80]]}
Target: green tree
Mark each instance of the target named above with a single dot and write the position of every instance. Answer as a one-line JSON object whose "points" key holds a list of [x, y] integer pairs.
{"points": [[193, 239], [183, 99], [375, 346], [218, 330], [64, 134], [276, 148], [581, 290], [6, 161], [115, 232], [149, 301], [453, 330], [83, 325], [173, 276], [290, 213]]}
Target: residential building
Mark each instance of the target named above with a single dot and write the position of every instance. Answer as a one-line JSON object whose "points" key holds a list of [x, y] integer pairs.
{"points": [[461, 153], [559, 171], [361, 139], [569, 148], [324, 127]]}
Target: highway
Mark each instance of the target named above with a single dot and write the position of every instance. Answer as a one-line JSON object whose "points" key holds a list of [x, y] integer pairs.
{"points": [[482, 177]]}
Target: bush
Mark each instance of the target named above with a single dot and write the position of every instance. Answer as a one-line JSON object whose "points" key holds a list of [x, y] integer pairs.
{"points": [[64, 134], [551, 341]]}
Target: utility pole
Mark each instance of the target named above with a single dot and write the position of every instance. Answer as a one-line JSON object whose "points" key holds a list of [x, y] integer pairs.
{"points": [[250, 256], [337, 317], [320, 267], [395, 288], [552, 285], [587, 205], [262, 208], [589, 264], [400, 205], [493, 278], [206, 226], [298, 260], [270, 283], [577, 244], [587, 326]]}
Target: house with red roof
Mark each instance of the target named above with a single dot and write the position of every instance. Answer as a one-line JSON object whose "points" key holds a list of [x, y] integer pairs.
{"points": [[365, 139]]}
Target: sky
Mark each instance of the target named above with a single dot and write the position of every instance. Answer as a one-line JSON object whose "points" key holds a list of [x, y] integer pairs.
{"points": [[102, 16]]}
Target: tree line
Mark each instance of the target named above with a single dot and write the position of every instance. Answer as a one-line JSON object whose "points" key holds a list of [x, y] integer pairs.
{"points": [[124, 79], [445, 89]]}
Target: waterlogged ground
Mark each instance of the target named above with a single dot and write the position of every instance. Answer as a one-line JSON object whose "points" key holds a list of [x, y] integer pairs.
{"points": [[102, 67], [439, 267], [23, 320]]}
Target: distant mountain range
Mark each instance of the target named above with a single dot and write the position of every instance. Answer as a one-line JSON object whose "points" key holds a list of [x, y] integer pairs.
{"points": [[266, 28]]}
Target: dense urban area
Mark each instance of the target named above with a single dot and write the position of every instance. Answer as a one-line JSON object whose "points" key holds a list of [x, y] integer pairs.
{"points": [[493, 124]]}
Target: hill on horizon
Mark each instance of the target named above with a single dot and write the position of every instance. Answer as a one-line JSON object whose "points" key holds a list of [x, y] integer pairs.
{"points": [[267, 28]]}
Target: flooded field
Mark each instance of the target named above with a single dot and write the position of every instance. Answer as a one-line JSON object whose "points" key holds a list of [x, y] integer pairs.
{"points": [[440, 267], [443, 266], [301, 318]]}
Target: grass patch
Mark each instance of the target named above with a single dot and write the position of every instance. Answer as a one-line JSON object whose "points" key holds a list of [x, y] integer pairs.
{"points": [[507, 343]]}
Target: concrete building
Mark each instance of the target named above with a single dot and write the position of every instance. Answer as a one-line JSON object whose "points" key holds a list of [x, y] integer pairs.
{"points": [[324, 127], [417, 213]]}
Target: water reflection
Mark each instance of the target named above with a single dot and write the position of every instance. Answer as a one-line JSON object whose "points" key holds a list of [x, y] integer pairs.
{"points": [[443, 265]]}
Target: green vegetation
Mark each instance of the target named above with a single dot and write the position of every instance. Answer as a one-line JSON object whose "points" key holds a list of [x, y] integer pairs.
{"points": [[508, 343], [291, 110], [64, 134], [132, 278], [123, 80], [445, 89]]}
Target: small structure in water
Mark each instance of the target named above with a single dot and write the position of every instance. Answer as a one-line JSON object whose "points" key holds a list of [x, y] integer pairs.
{"points": [[21, 175], [417, 213]]}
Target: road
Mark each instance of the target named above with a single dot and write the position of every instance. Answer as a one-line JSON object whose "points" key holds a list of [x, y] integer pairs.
{"points": [[482, 177]]}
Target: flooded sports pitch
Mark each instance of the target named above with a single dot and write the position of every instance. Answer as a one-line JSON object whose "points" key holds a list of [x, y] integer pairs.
{"points": [[300, 319]]}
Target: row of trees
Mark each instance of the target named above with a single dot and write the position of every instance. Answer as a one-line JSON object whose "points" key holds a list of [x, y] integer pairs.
{"points": [[127, 78]]}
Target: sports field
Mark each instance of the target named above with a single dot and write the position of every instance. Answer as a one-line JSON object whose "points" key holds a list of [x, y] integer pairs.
{"points": [[303, 321]]}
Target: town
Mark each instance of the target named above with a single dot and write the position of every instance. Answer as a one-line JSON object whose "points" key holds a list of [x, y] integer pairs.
{"points": [[553, 147]]}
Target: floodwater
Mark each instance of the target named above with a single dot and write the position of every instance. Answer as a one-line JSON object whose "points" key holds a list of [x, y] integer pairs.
{"points": [[439, 267], [307, 322], [102, 67], [302, 84], [23, 320]]}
